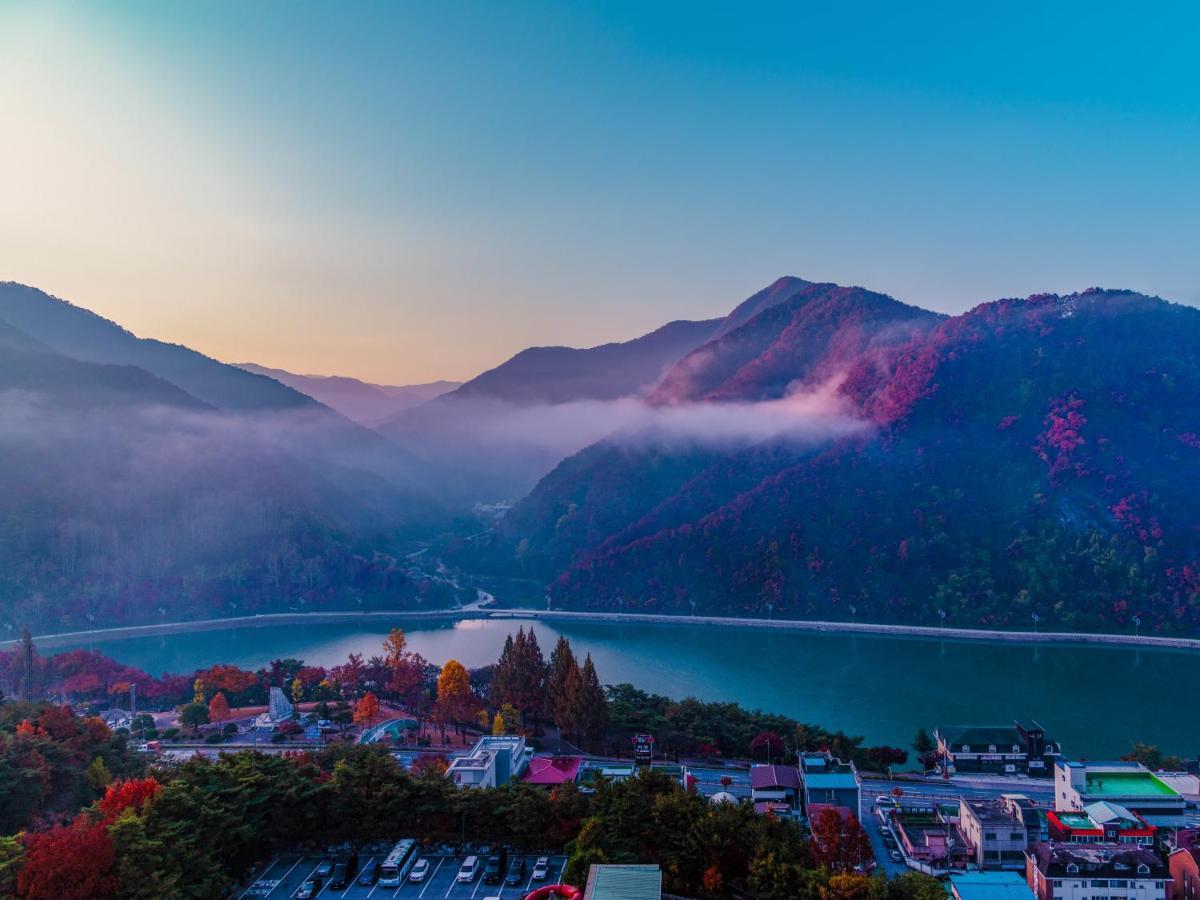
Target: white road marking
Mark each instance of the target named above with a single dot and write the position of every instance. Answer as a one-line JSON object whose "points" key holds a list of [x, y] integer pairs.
{"points": [[429, 879]]}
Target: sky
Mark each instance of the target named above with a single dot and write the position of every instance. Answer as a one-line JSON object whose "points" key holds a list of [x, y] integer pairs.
{"points": [[411, 191]]}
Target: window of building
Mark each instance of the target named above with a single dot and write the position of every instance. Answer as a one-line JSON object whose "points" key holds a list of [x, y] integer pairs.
{"points": [[989, 835], [1099, 883]]}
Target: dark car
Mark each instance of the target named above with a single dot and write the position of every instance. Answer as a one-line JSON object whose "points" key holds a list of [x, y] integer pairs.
{"points": [[493, 870], [369, 874], [516, 872], [343, 872], [309, 889]]}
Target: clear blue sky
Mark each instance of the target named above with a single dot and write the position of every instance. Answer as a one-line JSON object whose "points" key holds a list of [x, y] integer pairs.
{"points": [[402, 191]]}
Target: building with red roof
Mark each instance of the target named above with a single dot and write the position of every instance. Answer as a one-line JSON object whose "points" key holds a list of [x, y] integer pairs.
{"points": [[552, 770]]}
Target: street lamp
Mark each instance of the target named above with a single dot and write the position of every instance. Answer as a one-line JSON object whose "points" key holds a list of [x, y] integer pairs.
{"points": [[942, 614], [853, 612], [1036, 618], [1137, 626]]}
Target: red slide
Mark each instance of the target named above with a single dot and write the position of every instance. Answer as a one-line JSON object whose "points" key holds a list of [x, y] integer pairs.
{"points": [[551, 891]]}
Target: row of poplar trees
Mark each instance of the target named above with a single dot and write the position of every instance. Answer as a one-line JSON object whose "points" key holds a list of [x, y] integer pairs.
{"points": [[561, 691]]}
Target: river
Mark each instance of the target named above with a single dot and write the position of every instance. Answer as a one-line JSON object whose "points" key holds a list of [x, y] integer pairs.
{"points": [[1095, 699]]}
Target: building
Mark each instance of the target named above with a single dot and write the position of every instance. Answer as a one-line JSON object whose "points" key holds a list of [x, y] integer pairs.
{"points": [[1185, 784], [552, 770], [998, 838], [1101, 822], [775, 788], [608, 882], [825, 779], [1184, 864], [1020, 748], [1127, 784], [989, 886], [495, 760], [1029, 814], [1096, 871], [931, 840]]}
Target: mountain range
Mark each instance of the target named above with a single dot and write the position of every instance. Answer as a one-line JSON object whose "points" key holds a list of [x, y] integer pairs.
{"points": [[363, 402], [1030, 456], [821, 451], [140, 480]]}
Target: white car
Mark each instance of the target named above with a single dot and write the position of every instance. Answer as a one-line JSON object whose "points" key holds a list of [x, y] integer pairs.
{"points": [[541, 868], [420, 870], [884, 800], [468, 870]]}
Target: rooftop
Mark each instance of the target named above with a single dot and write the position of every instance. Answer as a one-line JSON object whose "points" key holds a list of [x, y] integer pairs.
{"points": [[553, 769], [989, 812], [766, 777], [1133, 783], [607, 882], [1121, 860], [990, 886], [984, 735]]}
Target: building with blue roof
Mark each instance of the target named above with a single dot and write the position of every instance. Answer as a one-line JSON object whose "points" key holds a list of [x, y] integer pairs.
{"points": [[999, 885]]}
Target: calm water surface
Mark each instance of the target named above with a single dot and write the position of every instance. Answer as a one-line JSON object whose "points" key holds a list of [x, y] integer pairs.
{"points": [[1097, 700]]}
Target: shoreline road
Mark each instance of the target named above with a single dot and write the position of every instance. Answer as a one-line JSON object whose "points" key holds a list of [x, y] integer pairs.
{"points": [[480, 609]]}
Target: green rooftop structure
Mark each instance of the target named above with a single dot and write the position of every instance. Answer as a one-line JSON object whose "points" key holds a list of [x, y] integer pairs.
{"points": [[608, 882], [1126, 784]]}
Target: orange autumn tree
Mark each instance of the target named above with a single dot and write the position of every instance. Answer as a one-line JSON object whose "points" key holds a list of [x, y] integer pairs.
{"points": [[456, 702], [366, 710], [218, 708]]}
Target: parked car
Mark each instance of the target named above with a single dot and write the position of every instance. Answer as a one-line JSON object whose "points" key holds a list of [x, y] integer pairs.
{"points": [[541, 868], [420, 870], [493, 869], [343, 872], [884, 800], [516, 872], [895, 856], [369, 874], [309, 889], [468, 870], [324, 868]]}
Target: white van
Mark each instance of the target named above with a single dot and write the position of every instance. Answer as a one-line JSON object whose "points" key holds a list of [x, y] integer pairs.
{"points": [[468, 870]]}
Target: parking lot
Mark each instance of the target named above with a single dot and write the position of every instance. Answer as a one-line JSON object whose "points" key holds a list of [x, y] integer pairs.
{"points": [[287, 872]]}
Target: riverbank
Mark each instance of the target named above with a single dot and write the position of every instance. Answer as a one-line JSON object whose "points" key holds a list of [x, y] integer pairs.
{"points": [[451, 615]]}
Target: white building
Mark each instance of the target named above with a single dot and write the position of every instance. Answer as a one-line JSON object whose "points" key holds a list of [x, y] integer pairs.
{"points": [[495, 760]]}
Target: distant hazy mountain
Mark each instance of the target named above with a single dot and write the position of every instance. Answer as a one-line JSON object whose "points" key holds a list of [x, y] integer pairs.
{"points": [[1029, 456], [507, 427], [304, 427], [365, 403], [121, 494], [606, 372]]}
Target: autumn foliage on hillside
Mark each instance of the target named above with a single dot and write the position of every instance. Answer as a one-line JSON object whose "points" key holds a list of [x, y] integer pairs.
{"points": [[1030, 456]]}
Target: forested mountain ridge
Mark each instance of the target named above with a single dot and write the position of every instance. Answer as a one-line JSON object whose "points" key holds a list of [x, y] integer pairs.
{"points": [[1030, 456], [125, 499]]}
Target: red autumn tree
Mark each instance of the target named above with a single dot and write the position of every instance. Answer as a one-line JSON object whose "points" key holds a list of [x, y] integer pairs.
{"points": [[132, 794], [838, 843], [68, 862]]}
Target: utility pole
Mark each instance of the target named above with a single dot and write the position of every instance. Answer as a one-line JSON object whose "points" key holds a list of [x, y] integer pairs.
{"points": [[27, 654]]}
